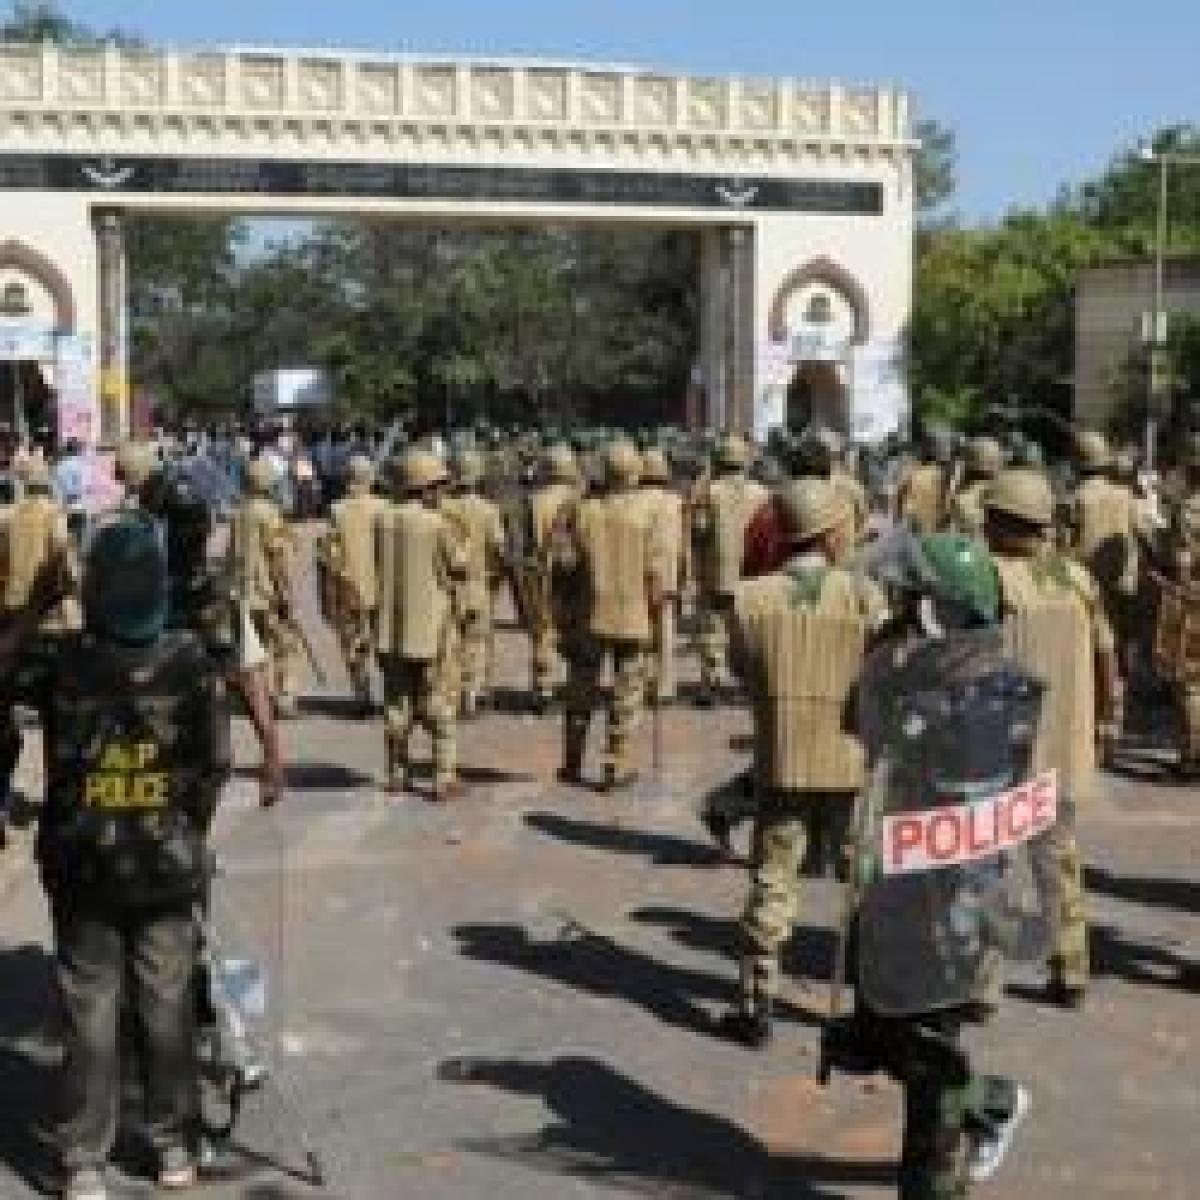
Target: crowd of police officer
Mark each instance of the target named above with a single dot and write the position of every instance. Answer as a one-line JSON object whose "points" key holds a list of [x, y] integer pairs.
{"points": [[788, 559]]}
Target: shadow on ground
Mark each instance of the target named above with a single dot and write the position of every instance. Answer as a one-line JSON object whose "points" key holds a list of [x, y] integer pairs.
{"points": [[610, 1130], [601, 966], [662, 849]]}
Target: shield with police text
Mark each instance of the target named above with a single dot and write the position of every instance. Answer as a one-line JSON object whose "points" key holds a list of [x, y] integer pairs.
{"points": [[956, 831]]}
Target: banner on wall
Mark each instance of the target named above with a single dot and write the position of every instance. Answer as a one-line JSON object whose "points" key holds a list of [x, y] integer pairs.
{"points": [[879, 395], [75, 377]]}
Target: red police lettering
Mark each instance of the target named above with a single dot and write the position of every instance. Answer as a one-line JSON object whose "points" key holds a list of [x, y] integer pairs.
{"points": [[941, 849], [907, 834]]}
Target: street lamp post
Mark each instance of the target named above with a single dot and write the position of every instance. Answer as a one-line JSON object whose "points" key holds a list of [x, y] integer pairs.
{"points": [[1158, 384]]}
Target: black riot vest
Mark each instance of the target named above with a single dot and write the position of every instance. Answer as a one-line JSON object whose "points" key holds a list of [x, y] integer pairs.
{"points": [[137, 749]]}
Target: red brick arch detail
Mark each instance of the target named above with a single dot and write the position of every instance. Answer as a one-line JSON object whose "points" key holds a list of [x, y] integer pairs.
{"points": [[834, 277], [14, 255]]}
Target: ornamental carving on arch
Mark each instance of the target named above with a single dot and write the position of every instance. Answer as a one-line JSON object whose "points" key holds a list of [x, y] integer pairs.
{"points": [[828, 273], [18, 257]]}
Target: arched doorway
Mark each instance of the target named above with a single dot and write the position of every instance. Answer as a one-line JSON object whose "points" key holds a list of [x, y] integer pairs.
{"points": [[817, 395]]}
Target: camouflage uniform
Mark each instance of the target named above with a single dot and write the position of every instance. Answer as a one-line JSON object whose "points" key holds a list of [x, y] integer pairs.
{"points": [[1104, 521], [543, 509], [346, 570], [721, 513], [609, 552], [799, 638], [481, 530], [666, 507], [261, 548], [419, 562], [1058, 632]]}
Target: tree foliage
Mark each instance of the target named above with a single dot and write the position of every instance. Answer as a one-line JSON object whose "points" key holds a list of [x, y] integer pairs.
{"points": [[993, 318]]}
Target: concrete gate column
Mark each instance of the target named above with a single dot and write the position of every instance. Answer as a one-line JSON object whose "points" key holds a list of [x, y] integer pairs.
{"points": [[114, 325]]}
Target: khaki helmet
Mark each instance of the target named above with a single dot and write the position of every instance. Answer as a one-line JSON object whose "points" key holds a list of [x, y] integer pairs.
{"points": [[360, 471], [1093, 450], [136, 462], [468, 468], [813, 507], [1024, 493], [1125, 463], [421, 469], [732, 453], [985, 456], [655, 467], [560, 465], [260, 479], [623, 463]]}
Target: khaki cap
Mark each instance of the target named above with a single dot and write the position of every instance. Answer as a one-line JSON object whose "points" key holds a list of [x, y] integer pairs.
{"points": [[655, 467], [136, 462], [421, 469], [985, 456], [733, 452], [813, 507], [623, 463], [1024, 493], [1093, 450]]}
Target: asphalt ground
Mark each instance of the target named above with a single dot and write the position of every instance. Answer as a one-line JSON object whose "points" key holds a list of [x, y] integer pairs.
{"points": [[513, 996]]}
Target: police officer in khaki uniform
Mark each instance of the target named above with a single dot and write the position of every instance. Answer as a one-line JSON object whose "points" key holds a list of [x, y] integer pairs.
{"points": [[666, 508], [799, 639], [561, 486], [1177, 644], [480, 526], [609, 556], [1059, 633], [419, 565], [346, 572], [261, 552], [721, 513], [921, 492], [985, 460]]}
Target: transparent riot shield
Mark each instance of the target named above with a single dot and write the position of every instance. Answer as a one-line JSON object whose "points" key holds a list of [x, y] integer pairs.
{"points": [[956, 832]]}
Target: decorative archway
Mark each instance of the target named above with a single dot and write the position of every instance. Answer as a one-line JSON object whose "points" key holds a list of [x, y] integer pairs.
{"points": [[824, 271], [15, 256]]}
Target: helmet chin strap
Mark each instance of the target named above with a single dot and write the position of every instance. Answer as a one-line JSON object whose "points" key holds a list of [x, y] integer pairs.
{"points": [[930, 625]]}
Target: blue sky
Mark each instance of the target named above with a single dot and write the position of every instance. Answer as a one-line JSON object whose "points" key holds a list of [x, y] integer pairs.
{"points": [[1040, 93]]}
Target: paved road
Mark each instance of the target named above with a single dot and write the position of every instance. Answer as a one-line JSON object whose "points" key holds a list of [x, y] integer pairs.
{"points": [[511, 997]]}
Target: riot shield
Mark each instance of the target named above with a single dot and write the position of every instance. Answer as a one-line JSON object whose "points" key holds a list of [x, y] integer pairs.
{"points": [[956, 839]]}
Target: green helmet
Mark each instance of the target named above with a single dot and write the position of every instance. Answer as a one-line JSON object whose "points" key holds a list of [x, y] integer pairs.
{"points": [[955, 573], [125, 583]]}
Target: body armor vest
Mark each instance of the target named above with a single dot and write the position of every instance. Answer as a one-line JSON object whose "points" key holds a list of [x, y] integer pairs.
{"points": [[138, 746]]}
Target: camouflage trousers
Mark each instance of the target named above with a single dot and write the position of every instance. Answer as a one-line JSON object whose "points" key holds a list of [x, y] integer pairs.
{"points": [[623, 705], [420, 692], [712, 640], [661, 683], [1189, 710], [476, 646], [282, 648], [355, 634], [784, 826], [1069, 961], [546, 661]]}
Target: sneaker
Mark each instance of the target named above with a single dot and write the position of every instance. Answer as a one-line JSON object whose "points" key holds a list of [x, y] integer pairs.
{"points": [[87, 1184], [720, 829], [989, 1149], [176, 1170], [1064, 995]]}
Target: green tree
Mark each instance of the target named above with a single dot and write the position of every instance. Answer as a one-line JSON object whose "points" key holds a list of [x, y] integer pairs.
{"points": [[935, 174]]}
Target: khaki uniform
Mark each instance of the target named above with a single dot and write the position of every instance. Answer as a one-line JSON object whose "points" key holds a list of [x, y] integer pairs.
{"points": [[1177, 642], [481, 530], [856, 496], [418, 562], [612, 549], [261, 550], [37, 539], [1057, 628], [666, 510], [967, 515], [349, 591], [799, 640], [720, 517], [546, 506], [921, 497]]}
